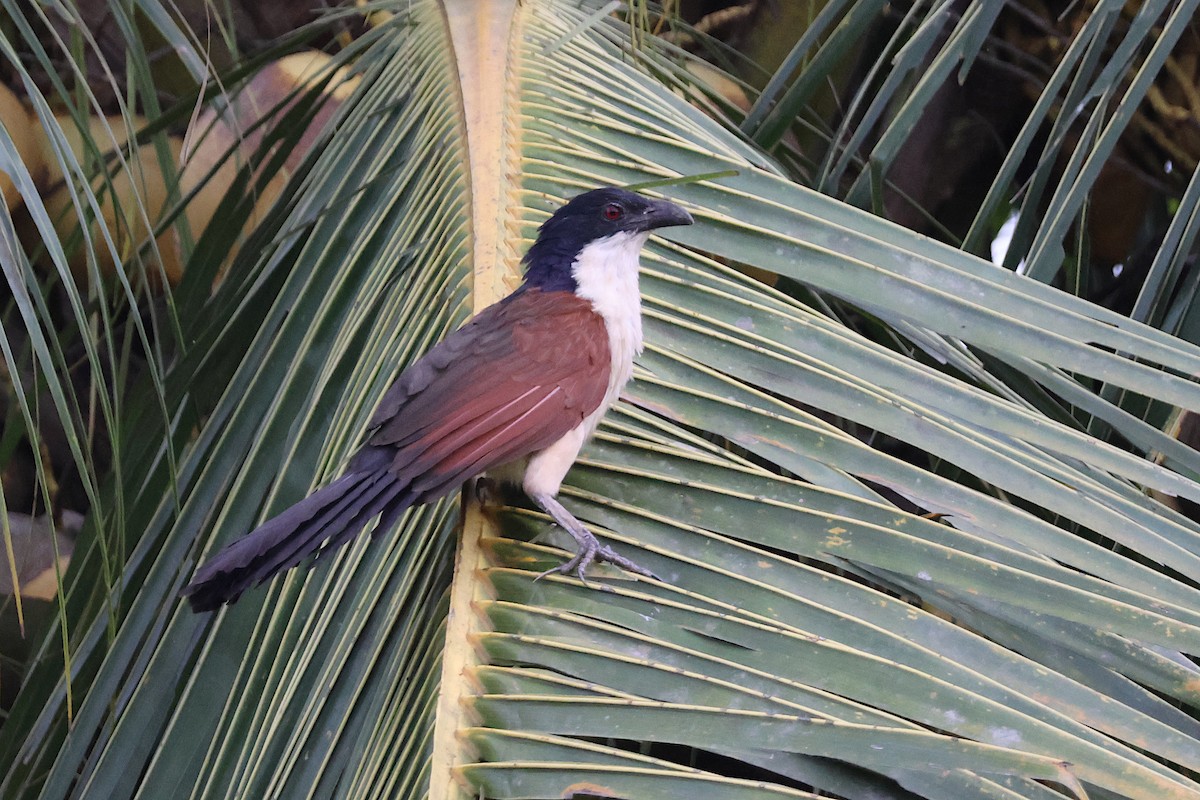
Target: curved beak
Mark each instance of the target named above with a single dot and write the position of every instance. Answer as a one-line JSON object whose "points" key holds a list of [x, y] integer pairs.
{"points": [[663, 214]]}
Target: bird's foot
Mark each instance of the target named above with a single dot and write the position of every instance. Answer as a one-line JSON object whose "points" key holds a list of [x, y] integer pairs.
{"points": [[487, 491], [496, 492], [577, 565], [589, 547]]}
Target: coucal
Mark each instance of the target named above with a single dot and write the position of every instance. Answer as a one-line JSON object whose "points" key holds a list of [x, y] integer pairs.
{"points": [[514, 393]]}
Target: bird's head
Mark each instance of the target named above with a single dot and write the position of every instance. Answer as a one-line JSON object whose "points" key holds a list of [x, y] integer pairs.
{"points": [[602, 220]]}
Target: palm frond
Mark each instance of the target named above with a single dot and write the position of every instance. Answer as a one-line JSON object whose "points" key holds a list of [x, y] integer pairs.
{"points": [[899, 561]]}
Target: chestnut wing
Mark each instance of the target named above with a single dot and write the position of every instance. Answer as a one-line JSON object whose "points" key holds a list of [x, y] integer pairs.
{"points": [[511, 382]]}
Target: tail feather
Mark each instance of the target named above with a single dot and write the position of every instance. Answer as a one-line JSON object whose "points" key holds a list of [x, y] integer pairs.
{"points": [[391, 500], [311, 537], [317, 524]]}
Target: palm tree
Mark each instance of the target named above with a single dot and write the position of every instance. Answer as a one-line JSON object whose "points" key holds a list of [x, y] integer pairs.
{"points": [[915, 512]]}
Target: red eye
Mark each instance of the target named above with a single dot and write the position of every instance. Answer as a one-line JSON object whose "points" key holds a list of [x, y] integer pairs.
{"points": [[613, 212]]}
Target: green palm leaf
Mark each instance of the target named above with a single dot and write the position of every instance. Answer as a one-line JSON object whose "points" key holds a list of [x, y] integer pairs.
{"points": [[817, 627]]}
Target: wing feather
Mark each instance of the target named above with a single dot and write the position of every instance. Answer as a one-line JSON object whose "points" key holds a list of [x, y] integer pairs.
{"points": [[509, 383]]}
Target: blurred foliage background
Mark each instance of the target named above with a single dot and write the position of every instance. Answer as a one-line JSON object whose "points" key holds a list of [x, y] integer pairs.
{"points": [[912, 441]]}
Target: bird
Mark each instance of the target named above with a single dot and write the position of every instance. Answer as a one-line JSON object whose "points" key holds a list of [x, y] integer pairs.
{"points": [[512, 395]]}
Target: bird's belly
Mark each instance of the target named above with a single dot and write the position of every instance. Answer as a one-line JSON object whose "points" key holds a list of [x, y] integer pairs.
{"points": [[543, 472], [546, 468]]}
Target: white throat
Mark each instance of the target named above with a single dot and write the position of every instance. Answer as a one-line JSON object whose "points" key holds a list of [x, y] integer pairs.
{"points": [[606, 273]]}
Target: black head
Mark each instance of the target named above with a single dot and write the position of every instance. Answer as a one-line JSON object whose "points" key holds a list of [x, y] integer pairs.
{"points": [[587, 218]]}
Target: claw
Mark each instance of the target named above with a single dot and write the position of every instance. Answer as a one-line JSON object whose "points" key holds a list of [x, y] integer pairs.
{"points": [[606, 553], [590, 548], [487, 491]]}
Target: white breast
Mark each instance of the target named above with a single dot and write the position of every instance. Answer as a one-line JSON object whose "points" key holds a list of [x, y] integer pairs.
{"points": [[606, 273]]}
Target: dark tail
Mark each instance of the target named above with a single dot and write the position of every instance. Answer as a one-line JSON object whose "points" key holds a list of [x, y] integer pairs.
{"points": [[324, 520]]}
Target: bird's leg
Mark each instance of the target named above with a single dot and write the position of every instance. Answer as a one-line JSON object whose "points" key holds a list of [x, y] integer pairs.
{"points": [[492, 492], [590, 548]]}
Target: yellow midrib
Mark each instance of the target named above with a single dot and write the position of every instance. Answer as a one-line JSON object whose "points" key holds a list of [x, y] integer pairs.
{"points": [[481, 34]]}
